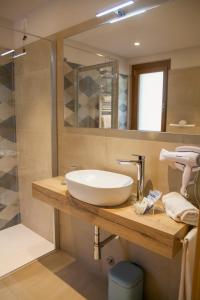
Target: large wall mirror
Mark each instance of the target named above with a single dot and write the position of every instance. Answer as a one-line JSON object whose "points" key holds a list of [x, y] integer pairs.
{"points": [[142, 73]]}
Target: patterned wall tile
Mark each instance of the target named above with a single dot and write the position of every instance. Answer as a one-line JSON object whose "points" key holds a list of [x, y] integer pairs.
{"points": [[7, 129], [5, 94], [7, 162], [69, 93], [8, 197], [88, 86], [6, 75], [123, 101], [14, 221], [9, 180], [9, 201], [83, 90]]}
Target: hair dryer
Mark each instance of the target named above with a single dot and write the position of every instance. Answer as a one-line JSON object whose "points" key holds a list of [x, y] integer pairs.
{"points": [[186, 159]]}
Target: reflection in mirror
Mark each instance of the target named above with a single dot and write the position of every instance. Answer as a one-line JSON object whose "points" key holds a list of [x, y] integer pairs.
{"points": [[142, 73], [91, 88]]}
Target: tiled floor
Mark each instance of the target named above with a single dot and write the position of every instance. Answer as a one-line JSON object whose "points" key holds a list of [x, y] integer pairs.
{"points": [[56, 276], [18, 246]]}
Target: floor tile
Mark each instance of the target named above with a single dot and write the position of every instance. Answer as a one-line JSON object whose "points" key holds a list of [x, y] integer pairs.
{"points": [[41, 280]]}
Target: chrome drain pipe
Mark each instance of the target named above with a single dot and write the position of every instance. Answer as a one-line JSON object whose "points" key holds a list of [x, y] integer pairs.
{"points": [[98, 245]]}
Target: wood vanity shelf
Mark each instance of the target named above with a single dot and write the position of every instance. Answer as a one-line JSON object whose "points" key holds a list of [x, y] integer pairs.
{"points": [[157, 233]]}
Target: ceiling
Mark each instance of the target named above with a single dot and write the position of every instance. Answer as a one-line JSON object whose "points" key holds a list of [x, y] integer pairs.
{"points": [[171, 26], [17, 9]]}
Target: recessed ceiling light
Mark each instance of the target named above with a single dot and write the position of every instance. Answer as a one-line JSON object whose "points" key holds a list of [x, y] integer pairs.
{"points": [[137, 44], [115, 8]]}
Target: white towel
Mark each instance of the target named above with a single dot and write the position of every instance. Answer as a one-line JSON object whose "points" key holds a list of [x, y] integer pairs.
{"points": [[187, 265], [179, 209], [106, 121]]}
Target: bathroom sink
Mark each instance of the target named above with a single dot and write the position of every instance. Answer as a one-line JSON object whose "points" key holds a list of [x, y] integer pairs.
{"points": [[100, 188]]}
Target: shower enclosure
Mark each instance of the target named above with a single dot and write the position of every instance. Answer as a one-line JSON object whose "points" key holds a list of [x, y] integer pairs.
{"points": [[96, 95], [95, 89], [9, 198], [27, 146], [90, 95]]}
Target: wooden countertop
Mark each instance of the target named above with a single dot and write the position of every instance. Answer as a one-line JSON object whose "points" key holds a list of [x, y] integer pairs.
{"points": [[157, 232]]}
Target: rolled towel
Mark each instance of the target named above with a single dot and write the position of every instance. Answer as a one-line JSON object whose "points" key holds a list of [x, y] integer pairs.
{"points": [[106, 121], [179, 209]]}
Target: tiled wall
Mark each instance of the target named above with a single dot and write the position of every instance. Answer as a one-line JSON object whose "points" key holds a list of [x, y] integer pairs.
{"points": [[33, 131], [86, 112], [9, 200], [70, 109], [88, 98], [123, 101]]}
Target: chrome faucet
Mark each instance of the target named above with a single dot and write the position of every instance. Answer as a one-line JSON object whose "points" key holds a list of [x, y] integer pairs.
{"points": [[140, 163]]}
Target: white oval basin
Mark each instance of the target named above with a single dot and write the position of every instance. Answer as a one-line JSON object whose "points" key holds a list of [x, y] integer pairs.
{"points": [[100, 188]]}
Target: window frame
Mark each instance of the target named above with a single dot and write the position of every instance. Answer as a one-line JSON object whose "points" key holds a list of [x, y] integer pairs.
{"points": [[150, 67]]}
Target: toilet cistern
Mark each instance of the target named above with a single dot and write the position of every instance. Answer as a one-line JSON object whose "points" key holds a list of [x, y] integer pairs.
{"points": [[140, 164]]}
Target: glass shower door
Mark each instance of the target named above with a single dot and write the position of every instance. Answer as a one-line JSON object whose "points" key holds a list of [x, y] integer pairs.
{"points": [[96, 95], [9, 201]]}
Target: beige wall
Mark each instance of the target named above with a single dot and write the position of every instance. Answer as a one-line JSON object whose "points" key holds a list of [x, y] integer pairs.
{"points": [[7, 36], [184, 99], [182, 58], [33, 125], [101, 152]]}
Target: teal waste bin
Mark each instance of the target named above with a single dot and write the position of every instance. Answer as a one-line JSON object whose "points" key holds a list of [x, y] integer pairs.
{"points": [[125, 282]]}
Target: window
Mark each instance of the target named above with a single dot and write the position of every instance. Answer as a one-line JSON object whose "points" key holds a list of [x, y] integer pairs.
{"points": [[150, 96]]}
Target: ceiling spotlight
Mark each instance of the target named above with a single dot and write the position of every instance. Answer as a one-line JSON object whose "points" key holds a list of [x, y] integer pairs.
{"points": [[114, 9], [7, 52], [137, 44]]}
